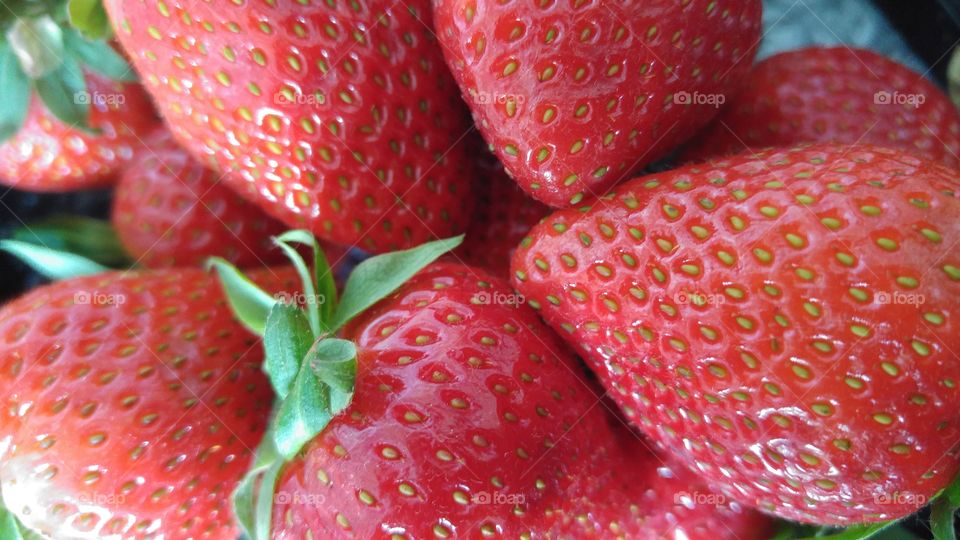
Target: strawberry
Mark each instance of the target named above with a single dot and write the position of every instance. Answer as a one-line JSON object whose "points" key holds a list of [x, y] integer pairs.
{"points": [[572, 96], [131, 402], [503, 215], [834, 94], [335, 116], [783, 324], [170, 210]]}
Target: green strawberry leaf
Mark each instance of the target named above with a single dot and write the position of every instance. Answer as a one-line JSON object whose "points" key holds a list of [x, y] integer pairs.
{"points": [[16, 93], [322, 389], [286, 341], [64, 92], [312, 301], [857, 532], [253, 518], [50, 263], [942, 512], [38, 45], [326, 286], [98, 56], [92, 238], [89, 17], [375, 278], [12, 528], [250, 303]]}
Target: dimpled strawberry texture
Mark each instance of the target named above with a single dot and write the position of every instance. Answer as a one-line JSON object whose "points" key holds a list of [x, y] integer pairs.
{"points": [[573, 95], [170, 210], [339, 117], [131, 403], [834, 95], [471, 419], [785, 325], [48, 155]]}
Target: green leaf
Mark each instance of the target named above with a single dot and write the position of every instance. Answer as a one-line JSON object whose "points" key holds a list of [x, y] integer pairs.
{"points": [[16, 93], [253, 518], [50, 263], [286, 341], [857, 532], [323, 275], [99, 57], [38, 45], [375, 278], [92, 238], [12, 529], [89, 17], [312, 301], [314, 399], [64, 93], [250, 303]]}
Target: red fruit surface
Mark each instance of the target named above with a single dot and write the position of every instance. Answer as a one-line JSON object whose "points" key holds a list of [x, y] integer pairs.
{"points": [[131, 402], [169, 210], [574, 96], [503, 216], [471, 418], [834, 95], [786, 325], [48, 155], [339, 117]]}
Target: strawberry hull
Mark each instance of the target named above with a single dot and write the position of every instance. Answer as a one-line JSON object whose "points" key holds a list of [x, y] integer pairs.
{"points": [[784, 324]]}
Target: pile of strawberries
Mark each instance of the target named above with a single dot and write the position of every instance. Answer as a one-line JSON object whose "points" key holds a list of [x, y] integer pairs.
{"points": [[541, 340]]}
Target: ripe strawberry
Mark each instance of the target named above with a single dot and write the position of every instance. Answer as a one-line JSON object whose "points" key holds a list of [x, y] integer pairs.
{"points": [[131, 404], [470, 418], [834, 94], [338, 117], [46, 154], [784, 324], [572, 96], [170, 210], [503, 215]]}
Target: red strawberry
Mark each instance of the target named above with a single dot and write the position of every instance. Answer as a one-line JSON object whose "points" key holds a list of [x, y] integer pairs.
{"points": [[132, 402], [471, 419], [169, 210], [46, 154], [784, 324], [574, 95], [503, 216], [338, 117], [835, 94]]}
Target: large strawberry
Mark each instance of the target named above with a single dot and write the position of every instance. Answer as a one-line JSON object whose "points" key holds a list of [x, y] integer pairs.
{"points": [[834, 94], [572, 96], [131, 404], [335, 116], [446, 409], [70, 116], [783, 323], [170, 210]]}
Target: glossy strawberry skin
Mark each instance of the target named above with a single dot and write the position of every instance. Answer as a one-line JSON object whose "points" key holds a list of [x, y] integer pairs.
{"points": [[47, 155], [831, 95], [784, 325], [464, 405], [131, 402], [324, 116], [575, 96], [170, 210]]}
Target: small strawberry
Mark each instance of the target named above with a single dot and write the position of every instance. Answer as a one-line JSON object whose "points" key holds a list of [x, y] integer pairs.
{"points": [[71, 112], [784, 324], [444, 409], [131, 404], [503, 215], [335, 116], [834, 94], [170, 210], [572, 96]]}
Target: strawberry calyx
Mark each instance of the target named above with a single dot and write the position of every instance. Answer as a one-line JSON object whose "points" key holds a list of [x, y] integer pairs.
{"points": [[312, 371], [44, 50]]}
